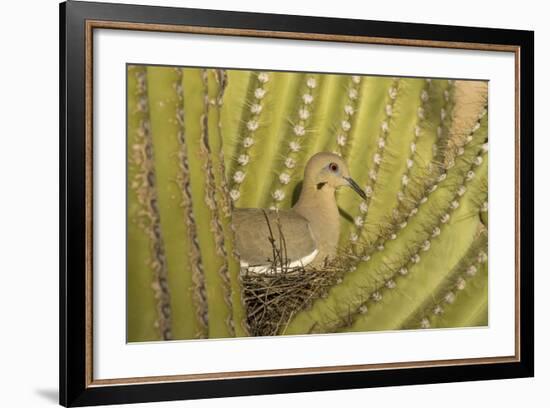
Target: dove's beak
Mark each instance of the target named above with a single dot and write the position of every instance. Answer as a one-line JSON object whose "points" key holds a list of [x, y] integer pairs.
{"points": [[356, 187]]}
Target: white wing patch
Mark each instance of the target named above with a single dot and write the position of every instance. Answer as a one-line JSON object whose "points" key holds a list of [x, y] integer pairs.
{"points": [[261, 269]]}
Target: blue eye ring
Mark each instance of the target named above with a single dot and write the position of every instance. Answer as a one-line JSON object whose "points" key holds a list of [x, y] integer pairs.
{"points": [[333, 167]]}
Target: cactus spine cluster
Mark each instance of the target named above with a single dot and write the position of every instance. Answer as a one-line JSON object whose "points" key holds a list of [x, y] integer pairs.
{"points": [[202, 141]]}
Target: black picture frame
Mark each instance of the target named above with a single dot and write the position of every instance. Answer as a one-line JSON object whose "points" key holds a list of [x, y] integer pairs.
{"points": [[76, 385]]}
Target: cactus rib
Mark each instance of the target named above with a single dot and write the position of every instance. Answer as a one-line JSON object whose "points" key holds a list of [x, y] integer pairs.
{"points": [[145, 189]]}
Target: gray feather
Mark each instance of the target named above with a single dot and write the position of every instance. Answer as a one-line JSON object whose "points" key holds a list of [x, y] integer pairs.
{"points": [[253, 237]]}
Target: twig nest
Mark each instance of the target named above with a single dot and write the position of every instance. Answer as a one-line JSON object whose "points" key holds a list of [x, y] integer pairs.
{"points": [[272, 299]]}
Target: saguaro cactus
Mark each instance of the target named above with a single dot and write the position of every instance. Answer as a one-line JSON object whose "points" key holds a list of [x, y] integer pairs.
{"points": [[201, 141]]}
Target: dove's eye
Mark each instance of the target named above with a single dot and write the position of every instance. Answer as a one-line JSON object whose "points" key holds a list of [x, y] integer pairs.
{"points": [[333, 167]]}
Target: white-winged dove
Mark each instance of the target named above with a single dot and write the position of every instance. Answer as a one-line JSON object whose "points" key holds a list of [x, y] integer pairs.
{"points": [[310, 229]]}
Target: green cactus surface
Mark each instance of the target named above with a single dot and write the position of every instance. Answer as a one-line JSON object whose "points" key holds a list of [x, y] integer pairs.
{"points": [[201, 142]]}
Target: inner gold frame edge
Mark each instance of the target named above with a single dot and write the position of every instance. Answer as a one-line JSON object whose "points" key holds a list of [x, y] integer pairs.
{"points": [[98, 24]]}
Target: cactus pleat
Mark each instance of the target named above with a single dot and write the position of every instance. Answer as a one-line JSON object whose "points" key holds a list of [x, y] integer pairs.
{"points": [[165, 101], [465, 307], [203, 141], [265, 145], [248, 118], [148, 280], [196, 266], [230, 271], [299, 132], [386, 174], [334, 113], [241, 88], [197, 102], [465, 279], [470, 307], [369, 121]]}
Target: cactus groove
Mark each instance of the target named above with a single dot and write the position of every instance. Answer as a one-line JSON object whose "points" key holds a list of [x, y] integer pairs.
{"points": [[201, 142]]}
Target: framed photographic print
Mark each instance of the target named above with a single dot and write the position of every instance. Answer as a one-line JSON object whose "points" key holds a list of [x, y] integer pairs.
{"points": [[255, 203]]}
